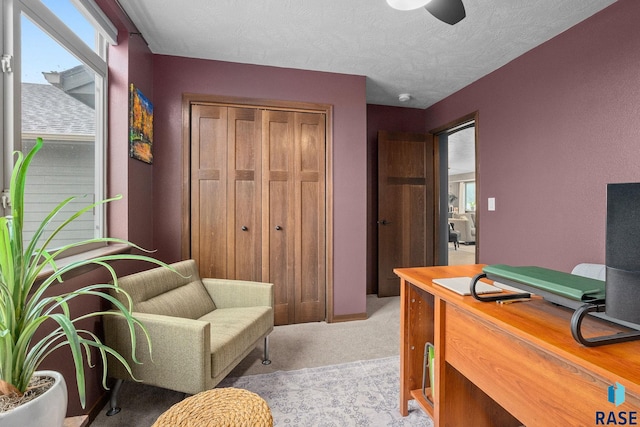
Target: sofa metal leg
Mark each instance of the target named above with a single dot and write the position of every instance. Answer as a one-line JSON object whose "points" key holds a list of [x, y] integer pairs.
{"points": [[265, 360], [113, 400]]}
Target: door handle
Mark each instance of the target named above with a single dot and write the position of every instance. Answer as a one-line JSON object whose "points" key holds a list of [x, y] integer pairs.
{"points": [[278, 228], [244, 228], [384, 222]]}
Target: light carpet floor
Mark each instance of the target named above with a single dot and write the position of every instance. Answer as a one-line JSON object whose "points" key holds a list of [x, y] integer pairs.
{"points": [[465, 254], [363, 393], [301, 349]]}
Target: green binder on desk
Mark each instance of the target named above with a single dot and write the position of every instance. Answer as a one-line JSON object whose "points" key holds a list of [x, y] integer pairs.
{"points": [[556, 286]]}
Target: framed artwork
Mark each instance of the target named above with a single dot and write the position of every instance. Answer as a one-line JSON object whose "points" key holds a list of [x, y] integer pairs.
{"points": [[140, 126]]}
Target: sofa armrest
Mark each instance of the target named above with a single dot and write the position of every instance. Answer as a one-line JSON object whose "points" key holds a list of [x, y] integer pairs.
{"points": [[239, 293], [181, 351]]}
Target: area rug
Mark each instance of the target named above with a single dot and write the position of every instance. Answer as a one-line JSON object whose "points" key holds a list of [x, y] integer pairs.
{"points": [[364, 393]]}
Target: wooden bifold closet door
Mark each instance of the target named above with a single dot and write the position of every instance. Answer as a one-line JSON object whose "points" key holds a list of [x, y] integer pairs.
{"points": [[258, 202], [225, 192]]}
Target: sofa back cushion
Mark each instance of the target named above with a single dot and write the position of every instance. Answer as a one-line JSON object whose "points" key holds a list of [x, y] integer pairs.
{"points": [[162, 291]]}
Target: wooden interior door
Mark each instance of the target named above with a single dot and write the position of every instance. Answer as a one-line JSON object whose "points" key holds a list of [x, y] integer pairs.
{"points": [[406, 188], [226, 191]]}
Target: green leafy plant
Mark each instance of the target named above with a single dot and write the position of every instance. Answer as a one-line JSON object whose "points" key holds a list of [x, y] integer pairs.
{"points": [[25, 304]]}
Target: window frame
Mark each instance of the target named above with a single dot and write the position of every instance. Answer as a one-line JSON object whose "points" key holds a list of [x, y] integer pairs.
{"points": [[11, 116]]}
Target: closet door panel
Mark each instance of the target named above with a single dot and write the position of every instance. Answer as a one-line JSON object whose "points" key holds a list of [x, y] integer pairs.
{"points": [[280, 267], [278, 220], [309, 255], [309, 195], [211, 247], [246, 253], [208, 189], [244, 194], [279, 133]]}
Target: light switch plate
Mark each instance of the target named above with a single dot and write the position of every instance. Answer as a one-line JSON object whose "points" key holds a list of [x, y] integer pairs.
{"points": [[491, 203]]}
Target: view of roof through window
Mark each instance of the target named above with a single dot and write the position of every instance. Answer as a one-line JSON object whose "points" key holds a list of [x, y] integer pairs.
{"points": [[58, 104]]}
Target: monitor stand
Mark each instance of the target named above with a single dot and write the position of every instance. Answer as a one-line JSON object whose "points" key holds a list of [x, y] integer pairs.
{"points": [[595, 307], [576, 328]]}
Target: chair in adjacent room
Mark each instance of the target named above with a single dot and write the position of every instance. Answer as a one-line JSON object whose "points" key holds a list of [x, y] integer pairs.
{"points": [[454, 236]]}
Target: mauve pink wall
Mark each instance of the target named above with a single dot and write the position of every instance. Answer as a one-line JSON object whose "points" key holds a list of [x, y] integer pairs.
{"points": [[131, 218], [555, 126], [382, 118], [174, 76], [141, 174]]}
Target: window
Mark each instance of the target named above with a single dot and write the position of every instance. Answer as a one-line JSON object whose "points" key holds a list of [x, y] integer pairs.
{"points": [[54, 87], [470, 196]]}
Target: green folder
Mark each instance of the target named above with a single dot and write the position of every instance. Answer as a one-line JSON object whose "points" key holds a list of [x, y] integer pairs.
{"points": [[571, 286]]}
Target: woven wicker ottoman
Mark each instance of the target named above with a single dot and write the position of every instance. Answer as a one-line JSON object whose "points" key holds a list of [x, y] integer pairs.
{"points": [[218, 407]]}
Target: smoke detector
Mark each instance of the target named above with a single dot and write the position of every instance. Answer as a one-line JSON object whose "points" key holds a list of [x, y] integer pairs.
{"points": [[404, 97]]}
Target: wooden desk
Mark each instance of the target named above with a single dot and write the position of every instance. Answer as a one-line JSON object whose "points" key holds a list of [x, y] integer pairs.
{"points": [[507, 365]]}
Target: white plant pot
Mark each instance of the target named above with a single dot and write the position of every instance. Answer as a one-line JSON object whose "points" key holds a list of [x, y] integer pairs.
{"points": [[49, 409]]}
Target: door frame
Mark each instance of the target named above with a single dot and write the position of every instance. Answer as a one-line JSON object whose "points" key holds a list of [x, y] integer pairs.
{"points": [[475, 117], [231, 101]]}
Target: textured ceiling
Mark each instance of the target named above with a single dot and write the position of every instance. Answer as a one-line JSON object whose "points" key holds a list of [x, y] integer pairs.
{"points": [[461, 151], [399, 52]]}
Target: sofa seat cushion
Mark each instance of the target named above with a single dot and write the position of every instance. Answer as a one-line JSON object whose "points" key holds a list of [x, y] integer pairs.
{"points": [[233, 330]]}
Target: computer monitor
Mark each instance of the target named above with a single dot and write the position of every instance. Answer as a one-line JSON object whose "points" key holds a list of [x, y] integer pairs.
{"points": [[622, 252]]}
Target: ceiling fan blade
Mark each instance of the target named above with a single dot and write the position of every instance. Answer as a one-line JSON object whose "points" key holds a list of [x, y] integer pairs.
{"points": [[449, 11]]}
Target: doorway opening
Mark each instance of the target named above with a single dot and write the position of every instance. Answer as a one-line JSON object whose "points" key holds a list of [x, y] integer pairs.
{"points": [[458, 219]]}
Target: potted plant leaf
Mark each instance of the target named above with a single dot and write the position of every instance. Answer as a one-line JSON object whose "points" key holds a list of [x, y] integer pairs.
{"points": [[27, 302]]}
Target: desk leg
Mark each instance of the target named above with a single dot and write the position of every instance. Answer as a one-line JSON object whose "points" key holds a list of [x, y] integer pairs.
{"points": [[439, 377], [404, 339]]}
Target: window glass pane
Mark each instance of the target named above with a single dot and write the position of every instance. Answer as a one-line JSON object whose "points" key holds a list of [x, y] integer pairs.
{"points": [[41, 54], [58, 104], [470, 196], [67, 12], [61, 169]]}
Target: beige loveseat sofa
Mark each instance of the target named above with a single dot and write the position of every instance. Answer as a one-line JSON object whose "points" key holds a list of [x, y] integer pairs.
{"points": [[200, 329]]}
